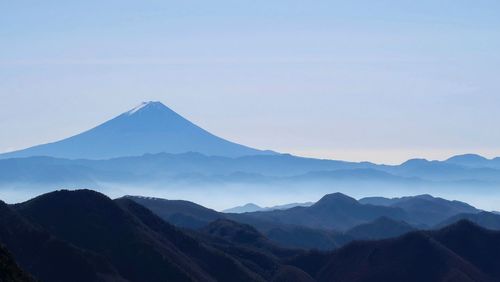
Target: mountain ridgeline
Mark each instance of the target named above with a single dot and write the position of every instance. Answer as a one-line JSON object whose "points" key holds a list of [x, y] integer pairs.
{"points": [[83, 235], [151, 145], [332, 221], [149, 128]]}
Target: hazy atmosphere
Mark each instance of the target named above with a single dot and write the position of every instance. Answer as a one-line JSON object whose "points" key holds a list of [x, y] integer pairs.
{"points": [[383, 81], [249, 140]]}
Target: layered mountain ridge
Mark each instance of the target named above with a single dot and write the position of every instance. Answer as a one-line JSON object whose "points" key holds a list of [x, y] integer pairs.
{"points": [[85, 236], [152, 146]]}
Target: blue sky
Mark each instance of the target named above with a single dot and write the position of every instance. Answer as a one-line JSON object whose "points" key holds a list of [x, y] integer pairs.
{"points": [[358, 80]]}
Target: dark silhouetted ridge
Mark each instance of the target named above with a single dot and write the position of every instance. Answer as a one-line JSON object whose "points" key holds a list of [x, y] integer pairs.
{"points": [[9, 270], [85, 236], [47, 257], [94, 222], [380, 228], [460, 252], [143, 247], [234, 232], [178, 212], [477, 245]]}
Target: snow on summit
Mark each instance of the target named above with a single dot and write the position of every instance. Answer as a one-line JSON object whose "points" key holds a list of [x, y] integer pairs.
{"points": [[138, 108], [148, 128], [144, 105]]}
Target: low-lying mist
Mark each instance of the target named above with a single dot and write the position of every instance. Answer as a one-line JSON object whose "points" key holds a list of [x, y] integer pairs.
{"points": [[225, 195]]}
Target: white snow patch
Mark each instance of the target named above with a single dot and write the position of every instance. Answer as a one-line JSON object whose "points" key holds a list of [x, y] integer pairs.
{"points": [[138, 108]]}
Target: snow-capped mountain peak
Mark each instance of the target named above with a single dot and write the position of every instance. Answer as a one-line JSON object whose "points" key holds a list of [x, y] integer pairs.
{"points": [[145, 105], [150, 127]]}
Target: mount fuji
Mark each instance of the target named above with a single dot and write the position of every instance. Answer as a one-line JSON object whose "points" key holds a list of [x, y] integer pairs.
{"points": [[150, 127]]}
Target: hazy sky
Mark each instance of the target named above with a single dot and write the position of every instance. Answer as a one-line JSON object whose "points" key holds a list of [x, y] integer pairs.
{"points": [[358, 80]]}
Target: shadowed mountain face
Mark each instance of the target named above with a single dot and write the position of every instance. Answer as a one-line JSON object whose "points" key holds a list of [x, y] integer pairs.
{"points": [[234, 232], [93, 222], [177, 212], [479, 246], [246, 236], [47, 257], [121, 240], [307, 238], [141, 246], [380, 228], [456, 253], [180, 213], [149, 128], [9, 270]]}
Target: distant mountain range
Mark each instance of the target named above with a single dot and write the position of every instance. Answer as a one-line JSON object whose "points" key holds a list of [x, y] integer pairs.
{"points": [[250, 207], [333, 221], [85, 236], [152, 146], [273, 170], [332, 212], [148, 128], [476, 161], [424, 208]]}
